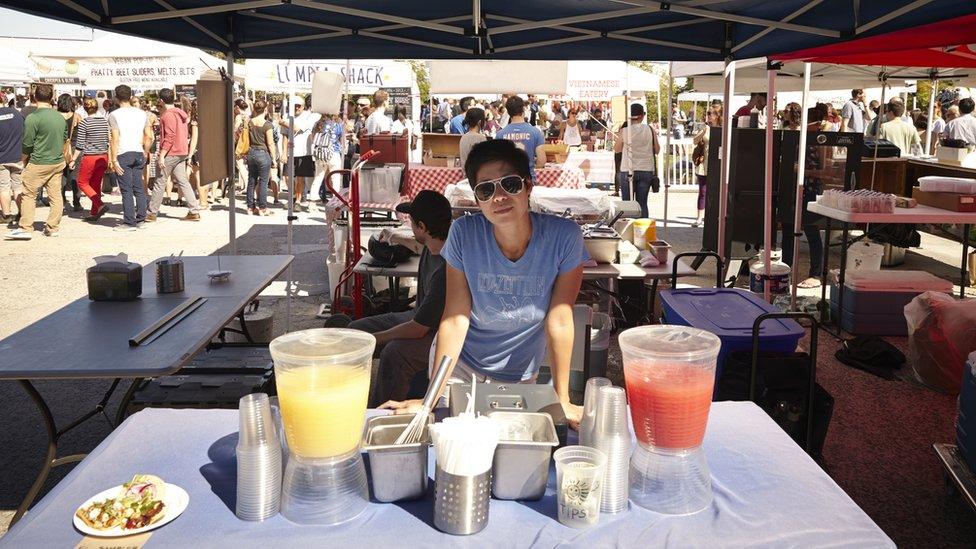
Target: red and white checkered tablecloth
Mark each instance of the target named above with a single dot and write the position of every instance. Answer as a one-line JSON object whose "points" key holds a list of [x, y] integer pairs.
{"points": [[436, 178]]}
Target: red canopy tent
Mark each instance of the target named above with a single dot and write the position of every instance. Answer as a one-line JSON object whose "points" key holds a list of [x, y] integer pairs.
{"points": [[945, 44], [949, 43]]}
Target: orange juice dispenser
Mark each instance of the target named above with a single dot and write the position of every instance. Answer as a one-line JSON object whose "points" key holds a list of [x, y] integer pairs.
{"points": [[669, 372], [322, 377]]}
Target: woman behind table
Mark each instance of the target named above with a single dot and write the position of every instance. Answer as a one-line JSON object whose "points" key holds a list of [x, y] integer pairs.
{"points": [[713, 120], [812, 187], [260, 157], [512, 279], [91, 144], [569, 133], [474, 120]]}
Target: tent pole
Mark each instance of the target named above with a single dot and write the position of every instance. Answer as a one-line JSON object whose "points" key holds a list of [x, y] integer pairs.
{"points": [[877, 130], [291, 191], [231, 161], [800, 168], [768, 190], [726, 156], [933, 92], [667, 148]]}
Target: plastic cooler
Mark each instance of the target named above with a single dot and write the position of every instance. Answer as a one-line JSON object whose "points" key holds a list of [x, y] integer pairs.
{"points": [[729, 313], [874, 301], [966, 422]]}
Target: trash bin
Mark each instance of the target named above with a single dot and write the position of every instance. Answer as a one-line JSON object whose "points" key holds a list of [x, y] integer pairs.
{"points": [[600, 329]]}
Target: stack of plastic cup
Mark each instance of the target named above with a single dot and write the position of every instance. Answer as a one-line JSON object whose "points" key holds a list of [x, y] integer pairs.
{"points": [[612, 437], [588, 421], [258, 460], [670, 374], [579, 485]]}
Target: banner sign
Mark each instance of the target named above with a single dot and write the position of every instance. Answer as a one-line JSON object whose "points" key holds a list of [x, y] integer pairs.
{"points": [[108, 72], [364, 76], [400, 96]]}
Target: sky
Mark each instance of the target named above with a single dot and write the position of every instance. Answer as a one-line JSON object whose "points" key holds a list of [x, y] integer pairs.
{"points": [[21, 25]]}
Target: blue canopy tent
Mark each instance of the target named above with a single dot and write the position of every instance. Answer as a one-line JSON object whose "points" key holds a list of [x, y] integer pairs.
{"points": [[686, 30]]}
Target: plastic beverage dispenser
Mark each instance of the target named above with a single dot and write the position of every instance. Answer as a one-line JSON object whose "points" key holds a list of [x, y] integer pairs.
{"points": [[669, 372], [323, 384]]}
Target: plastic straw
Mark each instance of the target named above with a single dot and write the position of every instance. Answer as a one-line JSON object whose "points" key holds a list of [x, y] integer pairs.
{"points": [[465, 445]]}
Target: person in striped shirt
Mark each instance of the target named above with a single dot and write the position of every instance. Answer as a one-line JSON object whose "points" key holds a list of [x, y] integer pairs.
{"points": [[91, 144]]}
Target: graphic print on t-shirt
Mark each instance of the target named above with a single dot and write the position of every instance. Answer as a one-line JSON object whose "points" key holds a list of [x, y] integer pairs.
{"points": [[514, 295]]}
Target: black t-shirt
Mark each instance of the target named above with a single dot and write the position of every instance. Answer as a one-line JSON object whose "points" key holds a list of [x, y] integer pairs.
{"points": [[431, 289], [11, 135]]}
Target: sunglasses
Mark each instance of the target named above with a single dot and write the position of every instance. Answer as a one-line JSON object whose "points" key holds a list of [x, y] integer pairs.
{"points": [[511, 184]]}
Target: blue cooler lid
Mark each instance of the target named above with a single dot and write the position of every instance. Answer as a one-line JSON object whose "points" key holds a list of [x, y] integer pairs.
{"points": [[729, 313]]}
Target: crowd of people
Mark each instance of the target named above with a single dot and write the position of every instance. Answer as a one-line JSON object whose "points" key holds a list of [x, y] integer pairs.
{"points": [[92, 145], [563, 122]]}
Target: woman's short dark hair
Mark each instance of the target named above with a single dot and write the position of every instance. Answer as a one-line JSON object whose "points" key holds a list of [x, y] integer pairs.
{"points": [[474, 116], [496, 150], [66, 103]]}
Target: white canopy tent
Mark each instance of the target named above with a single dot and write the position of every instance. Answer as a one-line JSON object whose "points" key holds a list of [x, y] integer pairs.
{"points": [[584, 80], [14, 67], [112, 59], [751, 75]]}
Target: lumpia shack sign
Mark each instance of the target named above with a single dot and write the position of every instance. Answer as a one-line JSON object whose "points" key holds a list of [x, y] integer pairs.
{"points": [[108, 72], [363, 76]]}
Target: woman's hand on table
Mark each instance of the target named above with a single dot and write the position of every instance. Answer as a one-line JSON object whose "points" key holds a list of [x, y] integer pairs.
{"points": [[573, 414], [404, 407]]}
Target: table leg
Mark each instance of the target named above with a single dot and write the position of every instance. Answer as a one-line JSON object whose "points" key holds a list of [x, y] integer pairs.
{"points": [[964, 281], [652, 301], [824, 306], [394, 292], [840, 280], [50, 459], [126, 399]]}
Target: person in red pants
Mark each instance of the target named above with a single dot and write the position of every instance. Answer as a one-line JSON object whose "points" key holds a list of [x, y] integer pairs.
{"points": [[91, 144]]}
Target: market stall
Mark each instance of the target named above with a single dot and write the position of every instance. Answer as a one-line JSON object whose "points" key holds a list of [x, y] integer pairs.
{"points": [[782, 489]]}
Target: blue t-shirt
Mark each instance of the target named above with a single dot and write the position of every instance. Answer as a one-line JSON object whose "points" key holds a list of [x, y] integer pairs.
{"points": [[510, 299], [526, 137], [457, 124], [11, 135]]}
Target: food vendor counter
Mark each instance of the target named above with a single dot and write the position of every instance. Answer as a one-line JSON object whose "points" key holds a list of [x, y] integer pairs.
{"points": [[437, 178]]}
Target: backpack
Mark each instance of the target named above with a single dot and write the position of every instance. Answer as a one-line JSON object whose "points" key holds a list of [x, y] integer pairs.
{"points": [[243, 141], [323, 144]]}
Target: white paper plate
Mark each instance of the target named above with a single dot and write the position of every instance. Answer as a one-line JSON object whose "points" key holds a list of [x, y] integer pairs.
{"points": [[175, 501]]}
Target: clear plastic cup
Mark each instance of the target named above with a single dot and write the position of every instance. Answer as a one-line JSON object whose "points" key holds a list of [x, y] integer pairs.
{"points": [[580, 472], [588, 421], [258, 460], [670, 374], [322, 376], [612, 437]]}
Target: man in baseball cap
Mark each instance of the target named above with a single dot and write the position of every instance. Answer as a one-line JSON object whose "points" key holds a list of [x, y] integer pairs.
{"points": [[403, 339]]}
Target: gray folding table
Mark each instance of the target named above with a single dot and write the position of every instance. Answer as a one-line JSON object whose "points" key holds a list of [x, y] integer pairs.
{"points": [[98, 335]]}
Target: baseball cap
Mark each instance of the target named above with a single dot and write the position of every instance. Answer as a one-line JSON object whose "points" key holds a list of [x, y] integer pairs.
{"points": [[636, 110], [364, 101], [428, 207]]}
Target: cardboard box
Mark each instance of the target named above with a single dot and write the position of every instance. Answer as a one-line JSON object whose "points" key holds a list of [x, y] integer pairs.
{"points": [[957, 157], [441, 149], [946, 201]]}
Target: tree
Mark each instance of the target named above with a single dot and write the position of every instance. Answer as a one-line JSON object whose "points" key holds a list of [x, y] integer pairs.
{"points": [[651, 99], [423, 78]]}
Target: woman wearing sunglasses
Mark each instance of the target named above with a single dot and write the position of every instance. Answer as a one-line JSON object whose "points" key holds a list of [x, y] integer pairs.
{"points": [[512, 279]]}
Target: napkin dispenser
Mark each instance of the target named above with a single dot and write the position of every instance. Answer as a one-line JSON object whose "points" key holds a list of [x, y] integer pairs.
{"points": [[114, 279], [511, 397]]}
